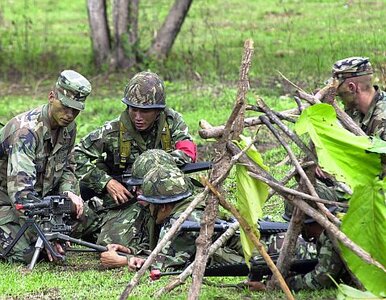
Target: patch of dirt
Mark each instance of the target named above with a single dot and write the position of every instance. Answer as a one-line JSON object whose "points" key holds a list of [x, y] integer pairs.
{"points": [[284, 14]]}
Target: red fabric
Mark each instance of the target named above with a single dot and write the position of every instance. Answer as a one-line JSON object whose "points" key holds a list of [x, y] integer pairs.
{"points": [[188, 147]]}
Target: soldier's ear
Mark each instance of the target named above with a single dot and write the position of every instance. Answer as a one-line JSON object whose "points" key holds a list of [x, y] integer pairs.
{"points": [[51, 96], [352, 87]]}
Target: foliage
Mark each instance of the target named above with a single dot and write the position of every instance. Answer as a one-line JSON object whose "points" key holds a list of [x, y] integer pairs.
{"points": [[340, 152], [346, 292], [251, 195], [299, 38], [364, 223], [344, 155]]}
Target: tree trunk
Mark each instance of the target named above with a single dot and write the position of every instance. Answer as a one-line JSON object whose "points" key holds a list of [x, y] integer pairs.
{"points": [[121, 25], [100, 33], [167, 34]]}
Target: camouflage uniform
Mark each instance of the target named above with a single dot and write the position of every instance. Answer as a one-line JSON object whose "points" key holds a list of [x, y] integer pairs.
{"points": [[112, 149], [133, 226], [373, 123], [33, 160], [330, 264], [166, 184]]}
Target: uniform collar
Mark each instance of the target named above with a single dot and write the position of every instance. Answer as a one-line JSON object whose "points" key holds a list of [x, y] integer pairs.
{"points": [[373, 104]]}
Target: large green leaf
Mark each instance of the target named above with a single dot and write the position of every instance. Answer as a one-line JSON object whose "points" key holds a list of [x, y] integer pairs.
{"points": [[365, 224], [251, 195], [378, 145], [340, 153], [346, 292]]}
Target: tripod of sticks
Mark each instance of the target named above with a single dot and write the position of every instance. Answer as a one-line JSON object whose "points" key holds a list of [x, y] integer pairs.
{"points": [[226, 156]]}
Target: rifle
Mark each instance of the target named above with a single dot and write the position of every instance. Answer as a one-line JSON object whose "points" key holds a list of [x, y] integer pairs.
{"points": [[49, 218], [87, 193], [257, 272], [265, 227]]}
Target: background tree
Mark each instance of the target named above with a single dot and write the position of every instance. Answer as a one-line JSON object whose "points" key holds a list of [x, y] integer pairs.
{"points": [[120, 50]]}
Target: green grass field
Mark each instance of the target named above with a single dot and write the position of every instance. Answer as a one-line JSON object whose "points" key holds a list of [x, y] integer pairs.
{"points": [[301, 39]]}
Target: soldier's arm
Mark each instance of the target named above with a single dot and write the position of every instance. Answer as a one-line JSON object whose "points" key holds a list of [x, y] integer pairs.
{"points": [[329, 264], [87, 153], [176, 253], [185, 149], [21, 170], [68, 180]]}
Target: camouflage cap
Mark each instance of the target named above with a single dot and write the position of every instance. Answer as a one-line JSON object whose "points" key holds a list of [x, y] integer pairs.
{"points": [[145, 90], [72, 89], [351, 67], [165, 184], [146, 161]]}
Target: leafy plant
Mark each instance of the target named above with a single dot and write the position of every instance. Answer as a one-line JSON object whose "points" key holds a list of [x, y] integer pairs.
{"points": [[348, 158]]}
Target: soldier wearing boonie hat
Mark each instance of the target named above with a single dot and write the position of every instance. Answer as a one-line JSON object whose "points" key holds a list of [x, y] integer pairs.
{"points": [[72, 89], [29, 166], [365, 103]]}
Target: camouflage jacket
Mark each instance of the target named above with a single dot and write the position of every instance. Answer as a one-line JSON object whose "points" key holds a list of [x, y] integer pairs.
{"points": [[330, 264], [179, 251], [373, 123], [31, 161], [98, 154]]}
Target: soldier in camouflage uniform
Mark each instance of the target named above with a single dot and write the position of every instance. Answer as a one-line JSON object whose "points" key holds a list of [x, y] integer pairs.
{"points": [[167, 189], [131, 227], [145, 124], [36, 157], [365, 103]]}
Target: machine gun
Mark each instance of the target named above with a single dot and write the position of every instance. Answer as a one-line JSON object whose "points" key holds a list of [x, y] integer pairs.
{"points": [[258, 271], [265, 227], [49, 218]]}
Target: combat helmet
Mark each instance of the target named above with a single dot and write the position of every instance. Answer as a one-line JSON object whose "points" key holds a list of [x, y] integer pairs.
{"points": [[146, 161], [165, 184], [72, 89], [146, 91]]}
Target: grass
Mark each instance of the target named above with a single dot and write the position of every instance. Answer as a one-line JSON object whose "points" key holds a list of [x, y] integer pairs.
{"points": [[38, 38], [49, 281]]}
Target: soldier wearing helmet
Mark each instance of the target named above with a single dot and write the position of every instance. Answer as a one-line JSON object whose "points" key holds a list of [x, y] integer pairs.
{"points": [[166, 190], [127, 226], [145, 124], [365, 103], [37, 157]]}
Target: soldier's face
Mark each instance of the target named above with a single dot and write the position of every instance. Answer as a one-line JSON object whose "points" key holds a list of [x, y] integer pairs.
{"points": [[60, 115], [143, 119], [346, 92]]}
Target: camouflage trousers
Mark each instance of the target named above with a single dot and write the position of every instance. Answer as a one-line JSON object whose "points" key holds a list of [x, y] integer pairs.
{"points": [[128, 227]]}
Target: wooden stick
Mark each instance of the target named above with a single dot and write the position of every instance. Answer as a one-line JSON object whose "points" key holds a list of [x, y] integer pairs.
{"points": [[233, 128], [307, 209], [168, 236], [181, 278], [250, 233]]}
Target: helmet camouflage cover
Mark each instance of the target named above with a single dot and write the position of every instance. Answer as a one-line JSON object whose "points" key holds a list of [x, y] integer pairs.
{"points": [[146, 161], [145, 90], [351, 67], [165, 184], [72, 89]]}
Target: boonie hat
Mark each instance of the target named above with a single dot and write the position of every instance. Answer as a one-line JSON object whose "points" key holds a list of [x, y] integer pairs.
{"points": [[72, 89]]}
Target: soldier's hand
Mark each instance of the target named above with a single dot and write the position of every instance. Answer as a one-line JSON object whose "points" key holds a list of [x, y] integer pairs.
{"points": [[78, 202], [111, 259], [135, 263], [118, 192], [58, 248], [118, 247], [256, 286]]}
